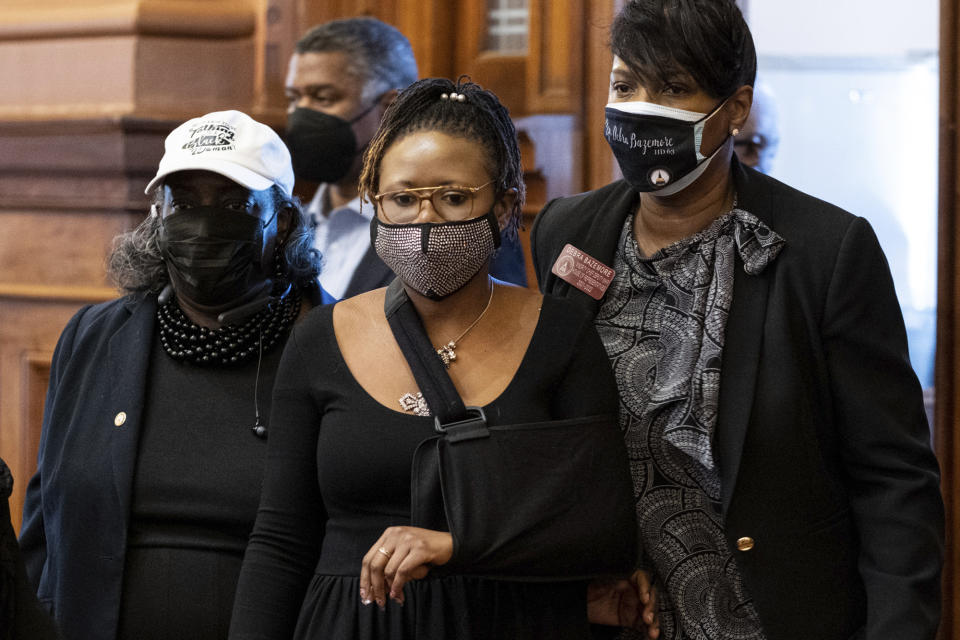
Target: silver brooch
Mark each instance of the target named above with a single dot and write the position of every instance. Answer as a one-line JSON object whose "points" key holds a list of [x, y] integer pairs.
{"points": [[415, 403]]}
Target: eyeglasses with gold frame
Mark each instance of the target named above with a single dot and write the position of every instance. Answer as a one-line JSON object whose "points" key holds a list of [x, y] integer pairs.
{"points": [[451, 202]]}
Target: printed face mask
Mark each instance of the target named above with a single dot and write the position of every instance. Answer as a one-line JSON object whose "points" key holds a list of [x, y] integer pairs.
{"points": [[436, 259], [322, 146], [214, 256], [657, 147]]}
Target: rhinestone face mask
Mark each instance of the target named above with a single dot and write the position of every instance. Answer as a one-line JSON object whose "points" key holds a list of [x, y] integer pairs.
{"points": [[436, 259]]}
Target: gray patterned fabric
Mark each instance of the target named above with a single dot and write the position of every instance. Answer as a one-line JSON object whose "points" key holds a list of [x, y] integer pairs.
{"points": [[662, 322]]}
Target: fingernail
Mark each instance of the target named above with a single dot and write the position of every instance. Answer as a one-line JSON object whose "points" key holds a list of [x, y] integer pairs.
{"points": [[363, 593], [382, 604], [366, 601]]}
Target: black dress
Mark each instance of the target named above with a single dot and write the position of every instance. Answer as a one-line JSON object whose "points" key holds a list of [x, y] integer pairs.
{"points": [[194, 499], [338, 474]]}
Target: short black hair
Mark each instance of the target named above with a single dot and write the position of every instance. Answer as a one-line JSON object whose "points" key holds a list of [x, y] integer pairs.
{"points": [[481, 117], [379, 54], [707, 39]]}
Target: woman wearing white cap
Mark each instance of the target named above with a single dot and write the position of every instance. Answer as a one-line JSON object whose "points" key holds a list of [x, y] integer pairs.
{"points": [[154, 428]]}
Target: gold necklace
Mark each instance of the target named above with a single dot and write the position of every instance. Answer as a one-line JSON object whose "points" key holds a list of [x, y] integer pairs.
{"points": [[416, 403], [448, 352]]}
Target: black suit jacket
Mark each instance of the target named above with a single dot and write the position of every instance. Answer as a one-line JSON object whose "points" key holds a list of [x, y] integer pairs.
{"points": [[821, 439], [77, 506]]}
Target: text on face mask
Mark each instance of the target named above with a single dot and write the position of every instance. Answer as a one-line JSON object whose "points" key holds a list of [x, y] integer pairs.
{"points": [[657, 146]]}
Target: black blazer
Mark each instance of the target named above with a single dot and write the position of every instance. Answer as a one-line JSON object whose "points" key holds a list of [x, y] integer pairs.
{"points": [[821, 440], [77, 506]]}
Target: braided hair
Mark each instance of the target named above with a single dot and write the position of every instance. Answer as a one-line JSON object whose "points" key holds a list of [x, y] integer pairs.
{"points": [[480, 117]]}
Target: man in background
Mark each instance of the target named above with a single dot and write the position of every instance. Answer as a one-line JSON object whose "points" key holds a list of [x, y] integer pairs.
{"points": [[757, 142], [341, 78]]}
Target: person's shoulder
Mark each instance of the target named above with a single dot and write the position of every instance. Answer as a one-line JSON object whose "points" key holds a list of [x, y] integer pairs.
{"points": [[106, 315], [597, 215], [813, 229], [316, 319], [580, 207], [321, 325], [359, 309], [788, 210], [564, 315]]}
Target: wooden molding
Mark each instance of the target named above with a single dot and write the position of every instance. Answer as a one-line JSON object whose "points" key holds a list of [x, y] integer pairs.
{"points": [[54, 293], [190, 18]]}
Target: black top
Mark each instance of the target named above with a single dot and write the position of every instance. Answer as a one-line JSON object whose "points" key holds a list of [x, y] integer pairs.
{"points": [[195, 494], [338, 474]]}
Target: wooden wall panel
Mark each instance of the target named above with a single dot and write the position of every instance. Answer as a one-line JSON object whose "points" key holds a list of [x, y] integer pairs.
{"points": [[504, 74], [555, 59], [430, 27], [278, 29], [428, 24], [599, 165], [125, 57]]}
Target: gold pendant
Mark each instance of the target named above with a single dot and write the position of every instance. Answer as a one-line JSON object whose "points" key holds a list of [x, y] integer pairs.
{"points": [[447, 353]]}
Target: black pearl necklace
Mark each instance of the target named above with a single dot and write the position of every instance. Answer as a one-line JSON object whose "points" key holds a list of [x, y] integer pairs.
{"points": [[184, 340]]}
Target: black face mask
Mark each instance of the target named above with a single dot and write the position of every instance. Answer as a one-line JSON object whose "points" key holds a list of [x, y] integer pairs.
{"points": [[322, 146], [214, 256], [657, 147]]}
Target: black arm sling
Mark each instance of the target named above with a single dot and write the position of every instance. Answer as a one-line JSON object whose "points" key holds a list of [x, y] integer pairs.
{"points": [[545, 501]]}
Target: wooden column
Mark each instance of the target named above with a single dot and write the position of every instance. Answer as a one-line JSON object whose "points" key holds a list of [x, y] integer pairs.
{"points": [[947, 409], [599, 166]]}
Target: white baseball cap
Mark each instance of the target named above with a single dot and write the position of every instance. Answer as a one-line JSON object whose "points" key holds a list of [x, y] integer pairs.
{"points": [[232, 144]]}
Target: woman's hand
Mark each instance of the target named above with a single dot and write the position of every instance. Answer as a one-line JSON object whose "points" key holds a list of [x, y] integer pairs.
{"points": [[630, 603], [643, 584], [401, 554]]}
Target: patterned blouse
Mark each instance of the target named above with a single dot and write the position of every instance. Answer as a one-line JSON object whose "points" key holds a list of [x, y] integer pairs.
{"points": [[662, 323]]}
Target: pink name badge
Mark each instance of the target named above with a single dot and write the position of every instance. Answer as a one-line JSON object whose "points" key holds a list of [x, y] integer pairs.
{"points": [[583, 271]]}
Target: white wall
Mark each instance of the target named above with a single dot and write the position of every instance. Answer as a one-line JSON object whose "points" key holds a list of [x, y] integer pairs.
{"points": [[856, 85], [843, 27]]}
